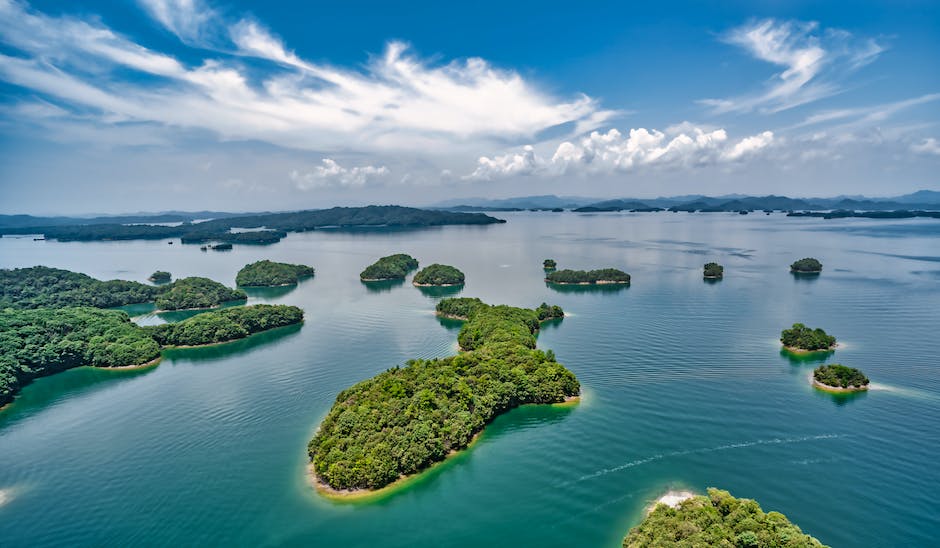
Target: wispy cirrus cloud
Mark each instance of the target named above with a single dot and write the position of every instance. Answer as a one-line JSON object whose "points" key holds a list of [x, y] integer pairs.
{"points": [[814, 62]]}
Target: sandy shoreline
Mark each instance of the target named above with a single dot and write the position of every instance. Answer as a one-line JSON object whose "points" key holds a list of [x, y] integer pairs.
{"points": [[151, 363], [416, 284], [380, 279], [671, 498], [796, 350], [838, 389], [598, 282]]}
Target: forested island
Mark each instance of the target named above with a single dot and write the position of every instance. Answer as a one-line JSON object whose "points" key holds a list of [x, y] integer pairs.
{"points": [[713, 271], [549, 264], [270, 274], [808, 265], [392, 267], [839, 378], [45, 287], [160, 277], [402, 421], [800, 338], [195, 292], [588, 277], [438, 275], [227, 324], [717, 519]]}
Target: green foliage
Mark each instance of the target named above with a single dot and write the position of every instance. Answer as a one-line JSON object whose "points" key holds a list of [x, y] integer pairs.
{"points": [[458, 307], [393, 267], [160, 277], [224, 325], [807, 265], [549, 264], [546, 312], [197, 292], [439, 274], [588, 276], [41, 286], [269, 273], [717, 520], [258, 237], [802, 337], [840, 376], [407, 418], [714, 270], [40, 342]]}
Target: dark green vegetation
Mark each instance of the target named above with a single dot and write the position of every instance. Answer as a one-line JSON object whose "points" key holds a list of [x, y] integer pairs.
{"points": [[808, 265], [269, 273], [36, 343], [439, 274], [717, 519], [41, 286], [221, 247], [549, 264], [800, 337], [160, 277], [197, 293], [549, 312], [840, 376], [392, 267], [225, 325], [276, 225], [604, 275], [845, 213], [407, 418], [713, 270]]}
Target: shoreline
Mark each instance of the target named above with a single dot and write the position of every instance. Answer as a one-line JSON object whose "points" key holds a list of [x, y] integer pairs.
{"points": [[451, 316], [795, 350], [672, 498], [216, 307], [361, 279], [598, 282], [805, 271], [713, 277], [184, 346], [838, 389], [416, 284], [151, 363]]}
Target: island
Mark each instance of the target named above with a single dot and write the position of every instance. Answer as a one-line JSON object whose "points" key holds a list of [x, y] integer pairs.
{"points": [[808, 265], [406, 419], [45, 287], [221, 247], [802, 339], [438, 275], [160, 277], [227, 324], [839, 378], [588, 277], [392, 267], [271, 274], [549, 264], [196, 292], [713, 271], [716, 519]]}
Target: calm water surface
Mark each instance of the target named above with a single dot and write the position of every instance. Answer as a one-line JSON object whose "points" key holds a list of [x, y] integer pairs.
{"points": [[685, 387]]}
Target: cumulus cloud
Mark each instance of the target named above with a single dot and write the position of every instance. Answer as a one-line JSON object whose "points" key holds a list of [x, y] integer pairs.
{"points": [[330, 173], [397, 101], [927, 146], [813, 62], [683, 145]]}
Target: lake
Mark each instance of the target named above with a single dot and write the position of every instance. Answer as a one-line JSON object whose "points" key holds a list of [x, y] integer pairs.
{"points": [[685, 386]]}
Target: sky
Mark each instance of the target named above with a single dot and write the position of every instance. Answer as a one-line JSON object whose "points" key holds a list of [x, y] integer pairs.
{"points": [[154, 105]]}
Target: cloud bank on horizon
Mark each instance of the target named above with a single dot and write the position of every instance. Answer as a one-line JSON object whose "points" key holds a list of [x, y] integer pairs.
{"points": [[399, 120]]}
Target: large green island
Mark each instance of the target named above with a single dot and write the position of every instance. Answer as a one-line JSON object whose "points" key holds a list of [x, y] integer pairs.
{"points": [[392, 267], [438, 275], [717, 519], [406, 419], [271, 274], [839, 378], [801, 339], [588, 277]]}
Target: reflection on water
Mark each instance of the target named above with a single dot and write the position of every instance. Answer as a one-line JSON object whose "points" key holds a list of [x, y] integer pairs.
{"points": [[382, 286], [588, 288], [232, 348], [440, 290], [842, 398], [809, 358], [268, 292]]}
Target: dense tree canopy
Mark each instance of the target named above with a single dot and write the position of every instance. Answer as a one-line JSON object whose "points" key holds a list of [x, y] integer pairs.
{"points": [[40, 342], [41, 286], [840, 376], [392, 267], [160, 277], [439, 274], [803, 338], [458, 307], [549, 264], [718, 519], [806, 266], [713, 270], [407, 418], [269, 273], [224, 325], [197, 292], [608, 275]]}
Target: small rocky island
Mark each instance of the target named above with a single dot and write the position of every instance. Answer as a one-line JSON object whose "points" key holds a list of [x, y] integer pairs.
{"points": [[839, 378], [549, 264], [807, 265], [713, 271], [801, 339], [438, 275], [271, 274], [195, 292], [588, 277], [392, 267], [160, 277]]}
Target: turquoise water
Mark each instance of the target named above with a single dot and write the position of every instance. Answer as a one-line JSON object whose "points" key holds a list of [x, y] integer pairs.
{"points": [[685, 387]]}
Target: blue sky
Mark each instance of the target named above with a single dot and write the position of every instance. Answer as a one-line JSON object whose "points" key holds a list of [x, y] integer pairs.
{"points": [[196, 104]]}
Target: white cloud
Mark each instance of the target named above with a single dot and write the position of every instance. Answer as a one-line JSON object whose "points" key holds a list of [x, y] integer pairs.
{"points": [[813, 62], [927, 146], [749, 145], [187, 19], [508, 165], [330, 173]]}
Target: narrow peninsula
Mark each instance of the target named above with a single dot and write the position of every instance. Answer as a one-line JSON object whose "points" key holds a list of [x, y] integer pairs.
{"points": [[802, 339], [839, 378], [713, 271], [588, 277], [271, 274], [717, 519], [438, 275], [408, 418], [392, 267], [808, 265]]}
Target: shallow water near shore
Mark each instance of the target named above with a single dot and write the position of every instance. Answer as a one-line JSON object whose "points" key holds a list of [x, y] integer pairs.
{"points": [[686, 388]]}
